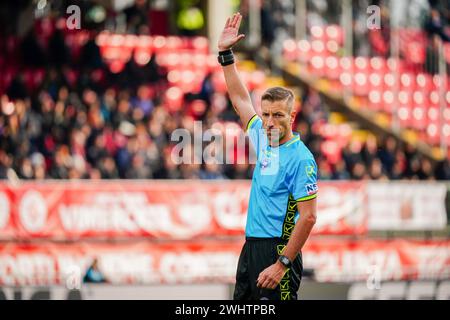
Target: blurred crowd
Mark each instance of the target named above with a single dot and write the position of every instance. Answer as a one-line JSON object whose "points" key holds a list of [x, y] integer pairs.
{"points": [[84, 122], [372, 158]]}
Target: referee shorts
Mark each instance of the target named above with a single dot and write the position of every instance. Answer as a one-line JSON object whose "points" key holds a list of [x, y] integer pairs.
{"points": [[258, 254]]}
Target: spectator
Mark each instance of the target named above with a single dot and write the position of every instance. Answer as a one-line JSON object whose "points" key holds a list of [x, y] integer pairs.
{"points": [[376, 170], [94, 124], [93, 274], [137, 17], [340, 172], [435, 25], [190, 19], [359, 172], [387, 153]]}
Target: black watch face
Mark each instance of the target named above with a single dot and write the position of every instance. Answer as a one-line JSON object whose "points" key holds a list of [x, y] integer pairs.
{"points": [[285, 261]]}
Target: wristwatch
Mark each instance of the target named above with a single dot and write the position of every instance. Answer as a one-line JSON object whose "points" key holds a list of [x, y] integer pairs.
{"points": [[285, 261]]}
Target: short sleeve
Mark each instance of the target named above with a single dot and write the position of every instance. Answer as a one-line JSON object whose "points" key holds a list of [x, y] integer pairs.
{"points": [[254, 131], [302, 180]]}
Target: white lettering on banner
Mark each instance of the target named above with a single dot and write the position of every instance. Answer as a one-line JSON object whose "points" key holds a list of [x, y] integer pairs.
{"points": [[353, 265], [228, 211], [414, 290], [187, 267], [81, 218], [400, 206], [143, 262], [131, 212], [337, 205], [153, 218], [326, 264], [432, 262], [128, 268], [357, 262], [4, 210], [195, 216], [33, 211], [27, 269]]}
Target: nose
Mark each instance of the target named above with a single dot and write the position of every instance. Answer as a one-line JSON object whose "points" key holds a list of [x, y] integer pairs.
{"points": [[270, 122]]}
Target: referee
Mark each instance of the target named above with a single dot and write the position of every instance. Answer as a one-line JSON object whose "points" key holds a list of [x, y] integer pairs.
{"points": [[284, 184]]}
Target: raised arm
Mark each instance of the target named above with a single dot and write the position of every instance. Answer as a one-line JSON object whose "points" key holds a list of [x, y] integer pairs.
{"points": [[240, 98]]}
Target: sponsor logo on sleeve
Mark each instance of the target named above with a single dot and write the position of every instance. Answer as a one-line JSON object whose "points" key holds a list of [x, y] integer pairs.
{"points": [[311, 188]]}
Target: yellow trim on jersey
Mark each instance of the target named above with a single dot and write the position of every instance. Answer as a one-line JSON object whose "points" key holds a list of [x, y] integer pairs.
{"points": [[291, 142], [252, 119], [307, 198]]}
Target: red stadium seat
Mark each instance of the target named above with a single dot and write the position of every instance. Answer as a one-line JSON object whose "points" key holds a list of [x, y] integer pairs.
{"points": [[173, 99], [133, 41], [142, 56], [432, 133], [361, 85], [318, 47], [375, 81], [174, 43], [200, 44], [317, 65], [159, 43], [304, 51], [335, 33], [404, 114], [419, 117], [407, 81], [375, 100], [332, 68], [389, 102], [425, 82], [290, 50], [379, 65], [144, 41], [390, 81], [318, 32]]}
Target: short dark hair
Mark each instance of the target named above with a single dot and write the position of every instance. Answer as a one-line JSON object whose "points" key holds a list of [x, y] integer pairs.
{"points": [[279, 94]]}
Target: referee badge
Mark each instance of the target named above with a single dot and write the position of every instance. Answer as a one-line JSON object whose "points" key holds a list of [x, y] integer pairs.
{"points": [[309, 170], [265, 163]]}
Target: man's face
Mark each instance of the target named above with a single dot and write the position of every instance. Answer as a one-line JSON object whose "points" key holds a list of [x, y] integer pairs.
{"points": [[277, 120]]}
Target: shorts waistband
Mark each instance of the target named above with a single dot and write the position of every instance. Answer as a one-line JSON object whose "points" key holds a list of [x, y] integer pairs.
{"points": [[264, 239]]}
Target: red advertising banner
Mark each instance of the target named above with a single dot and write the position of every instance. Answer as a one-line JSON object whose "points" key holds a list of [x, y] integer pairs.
{"points": [[215, 261], [411, 205], [159, 209]]}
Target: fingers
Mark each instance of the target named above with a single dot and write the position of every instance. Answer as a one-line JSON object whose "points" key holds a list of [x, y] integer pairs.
{"points": [[266, 282], [227, 23], [239, 19], [240, 37], [236, 20], [233, 20]]}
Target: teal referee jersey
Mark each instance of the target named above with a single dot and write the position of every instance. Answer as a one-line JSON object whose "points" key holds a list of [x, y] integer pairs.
{"points": [[283, 176]]}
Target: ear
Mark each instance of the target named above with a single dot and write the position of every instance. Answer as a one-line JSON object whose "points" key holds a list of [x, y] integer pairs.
{"points": [[293, 114]]}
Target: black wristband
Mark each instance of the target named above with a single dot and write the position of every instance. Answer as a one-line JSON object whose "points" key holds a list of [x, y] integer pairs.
{"points": [[225, 52], [226, 59]]}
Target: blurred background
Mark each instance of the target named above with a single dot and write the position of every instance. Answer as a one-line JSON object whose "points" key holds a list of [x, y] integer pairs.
{"points": [[93, 206]]}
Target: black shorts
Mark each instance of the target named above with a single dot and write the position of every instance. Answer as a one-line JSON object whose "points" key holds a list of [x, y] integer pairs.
{"points": [[256, 255]]}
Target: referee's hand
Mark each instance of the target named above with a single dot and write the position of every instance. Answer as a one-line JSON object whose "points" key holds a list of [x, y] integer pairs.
{"points": [[271, 276], [230, 36]]}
